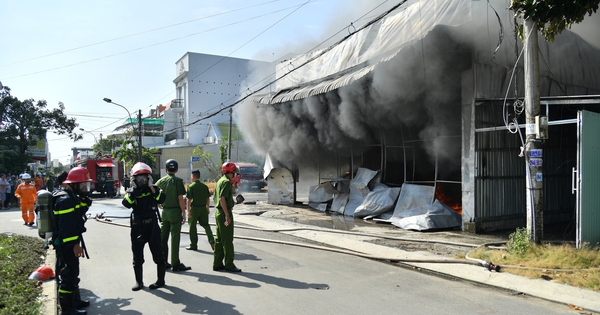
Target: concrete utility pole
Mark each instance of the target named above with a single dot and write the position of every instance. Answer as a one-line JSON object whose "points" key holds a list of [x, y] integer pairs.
{"points": [[140, 134], [229, 136], [533, 145]]}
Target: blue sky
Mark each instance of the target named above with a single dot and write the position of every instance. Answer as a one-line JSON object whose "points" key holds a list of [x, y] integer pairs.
{"points": [[79, 52]]}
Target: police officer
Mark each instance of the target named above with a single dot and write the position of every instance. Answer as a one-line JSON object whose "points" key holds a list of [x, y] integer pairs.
{"points": [[198, 202], [223, 254], [143, 198], [173, 215], [70, 207]]}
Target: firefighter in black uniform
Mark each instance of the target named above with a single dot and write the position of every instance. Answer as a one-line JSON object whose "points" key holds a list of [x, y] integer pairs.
{"points": [[69, 213], [143, 198]]}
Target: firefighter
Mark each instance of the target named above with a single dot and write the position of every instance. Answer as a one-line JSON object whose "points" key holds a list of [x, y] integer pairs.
{"points": [[110, 183], [39, 183], [143, 198], [26, 193], [69, 211]]}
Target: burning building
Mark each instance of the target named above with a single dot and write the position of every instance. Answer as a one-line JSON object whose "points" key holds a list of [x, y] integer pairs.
{"points": [[424, 95]]}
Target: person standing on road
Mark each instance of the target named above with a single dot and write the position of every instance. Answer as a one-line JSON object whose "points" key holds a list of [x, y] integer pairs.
{"points": [[109, 184], [69, 213], [198, 203], [4, 188], [39, 183], [224, 217], [26, 193], [143, 198], [173, 215]]}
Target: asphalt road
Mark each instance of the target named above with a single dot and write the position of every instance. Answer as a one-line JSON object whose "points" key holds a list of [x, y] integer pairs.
{"points": [[276, 279]]}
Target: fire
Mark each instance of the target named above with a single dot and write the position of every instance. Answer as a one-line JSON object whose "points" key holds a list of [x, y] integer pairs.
{"points": [[448, 200]]}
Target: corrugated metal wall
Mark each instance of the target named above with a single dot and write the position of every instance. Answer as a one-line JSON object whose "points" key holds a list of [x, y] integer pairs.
{"points": [[500, 173]]}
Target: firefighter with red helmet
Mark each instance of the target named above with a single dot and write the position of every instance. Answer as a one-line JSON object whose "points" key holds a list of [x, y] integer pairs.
{"points": [[69, 211], [143, 198], [223, 253]]}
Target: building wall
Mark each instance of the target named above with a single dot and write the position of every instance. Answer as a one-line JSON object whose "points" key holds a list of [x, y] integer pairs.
{"points": [[206, 83]]}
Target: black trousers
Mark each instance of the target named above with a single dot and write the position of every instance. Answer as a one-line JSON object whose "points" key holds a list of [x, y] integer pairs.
{"points": [[67, 266], [142, 233]]}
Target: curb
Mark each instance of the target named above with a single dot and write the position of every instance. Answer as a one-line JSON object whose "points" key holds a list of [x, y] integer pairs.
{"points": [[49, 290]]}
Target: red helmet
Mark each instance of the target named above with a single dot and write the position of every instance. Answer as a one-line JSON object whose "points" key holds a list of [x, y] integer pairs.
{"points": [[43, 273], [228, 167], [78, 175], [140, 168], [109, 175]]}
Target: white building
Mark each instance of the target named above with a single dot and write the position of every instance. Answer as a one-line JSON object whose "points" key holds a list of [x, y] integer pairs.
{"points": [[205, 84]]}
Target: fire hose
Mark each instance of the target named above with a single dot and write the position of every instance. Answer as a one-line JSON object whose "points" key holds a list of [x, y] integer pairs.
{"points": [[103, 219], [469, 260]]}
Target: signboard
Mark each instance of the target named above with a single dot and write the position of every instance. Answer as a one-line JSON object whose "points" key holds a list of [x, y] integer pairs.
{"points": [[535, 162], [195, 159], [39, 151], [535, 153]]}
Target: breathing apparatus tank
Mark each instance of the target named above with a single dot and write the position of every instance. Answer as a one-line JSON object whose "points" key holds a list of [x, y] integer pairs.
{"points": [[44, 204]]}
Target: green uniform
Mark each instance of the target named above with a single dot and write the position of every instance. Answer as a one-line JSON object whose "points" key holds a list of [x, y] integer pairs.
{"points": [[198, 194], [173, 187], [224, 237]]}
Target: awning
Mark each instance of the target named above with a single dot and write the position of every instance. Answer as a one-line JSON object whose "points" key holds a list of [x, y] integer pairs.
{"points": [[105, 164], [328, 69]]}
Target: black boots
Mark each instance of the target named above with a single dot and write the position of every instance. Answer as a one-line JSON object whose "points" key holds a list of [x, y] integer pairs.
{"points": [[78, 302], [139, 284], [160, 270], [66, 301]]}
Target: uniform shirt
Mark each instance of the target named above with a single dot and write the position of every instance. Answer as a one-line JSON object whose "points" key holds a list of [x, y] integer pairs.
{"points": [[26, 192], [69, 216], [172, 187], [224, 189], [198, 193], [143, 202]]}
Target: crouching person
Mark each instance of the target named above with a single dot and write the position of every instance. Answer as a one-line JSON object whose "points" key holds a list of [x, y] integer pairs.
{"points": [[143, 198]]}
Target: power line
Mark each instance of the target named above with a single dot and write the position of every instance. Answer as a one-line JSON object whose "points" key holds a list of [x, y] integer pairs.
{"points": [[135, 34], [223, 108], [152, 45]]}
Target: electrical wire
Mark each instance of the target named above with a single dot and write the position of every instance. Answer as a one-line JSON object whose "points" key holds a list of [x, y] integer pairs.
{"points": [[311, 59], [136, 34], [148, 46]]}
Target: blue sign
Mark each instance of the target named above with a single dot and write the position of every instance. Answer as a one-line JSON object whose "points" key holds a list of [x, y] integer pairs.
{"points": [[195, 159], [535, 153], [538, 177], [535, 162]]}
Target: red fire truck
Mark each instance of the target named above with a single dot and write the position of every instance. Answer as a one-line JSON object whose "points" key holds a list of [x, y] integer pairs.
{"points": [[101, 168]]}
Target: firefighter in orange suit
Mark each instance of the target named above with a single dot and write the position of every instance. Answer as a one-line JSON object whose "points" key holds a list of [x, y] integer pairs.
{"points": [[26, 193], [39, 184]]}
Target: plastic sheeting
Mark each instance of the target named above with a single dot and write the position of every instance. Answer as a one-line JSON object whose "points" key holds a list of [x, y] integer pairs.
{"points": [[281, 187], [570, 60], [415, 210], [378, 201]]}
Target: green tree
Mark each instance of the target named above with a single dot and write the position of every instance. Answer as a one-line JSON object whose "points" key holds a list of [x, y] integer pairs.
{"points": [[25, 120], [108, 145], [554, 16], [224, 149], [128, 153], [206, 159]]}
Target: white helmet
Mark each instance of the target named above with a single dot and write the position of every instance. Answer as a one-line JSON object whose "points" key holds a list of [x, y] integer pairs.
{"points": [[26, 176]]}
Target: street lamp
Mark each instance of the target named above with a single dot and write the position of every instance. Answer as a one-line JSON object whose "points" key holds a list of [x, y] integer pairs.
{"points": [[95, 140], [108, 100]]}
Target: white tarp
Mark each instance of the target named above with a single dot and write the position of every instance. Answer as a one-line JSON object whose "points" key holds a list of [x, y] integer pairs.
{"points": [[280, 187], [416, 211], [378, 201], [360, 187], [319, 197]]}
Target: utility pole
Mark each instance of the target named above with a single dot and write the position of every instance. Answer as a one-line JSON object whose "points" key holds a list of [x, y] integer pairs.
{"points": [[533, 145], [140, 133], [229, 136]]}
